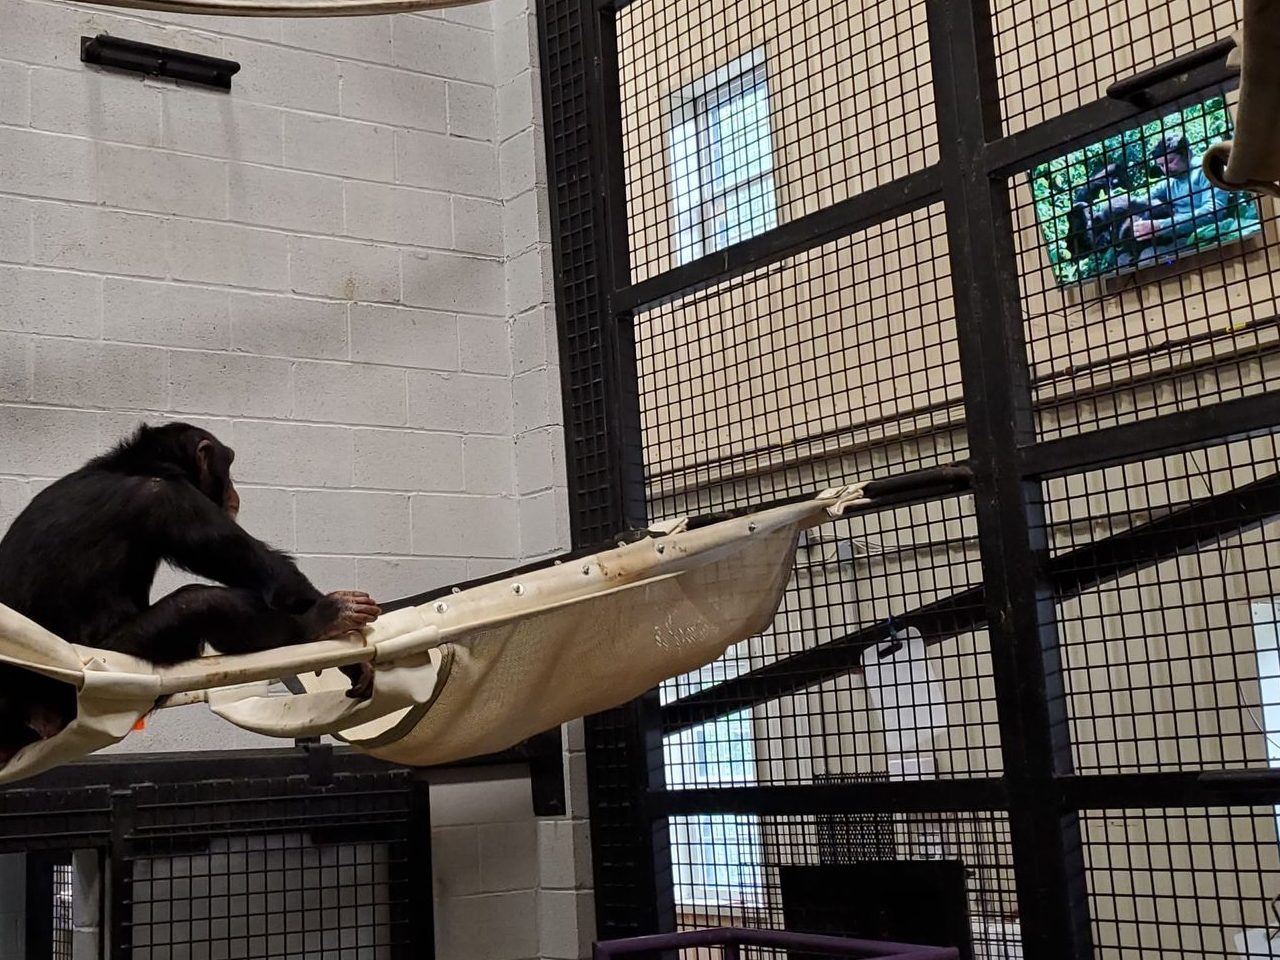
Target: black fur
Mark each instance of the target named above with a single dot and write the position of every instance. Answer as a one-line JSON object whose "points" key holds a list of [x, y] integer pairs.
{"points": [[81, 558]]}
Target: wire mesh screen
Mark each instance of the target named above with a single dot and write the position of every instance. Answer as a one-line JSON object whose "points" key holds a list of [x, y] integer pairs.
{"points": [[570, 152], [63, 900], [741, 116], [733, 870], [1170, 626], [1200, 883], [1053, 57], [898, 595], [823, 368], [267, 869], [264, 896], [1145, 289]]}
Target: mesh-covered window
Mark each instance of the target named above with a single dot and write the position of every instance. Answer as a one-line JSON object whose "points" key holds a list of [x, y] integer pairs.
{"points": [[845, 103], [721, 160]]}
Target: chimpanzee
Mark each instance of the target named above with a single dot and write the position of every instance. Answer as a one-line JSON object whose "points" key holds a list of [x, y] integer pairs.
{"points": [[1108, 224], [81, 558]]}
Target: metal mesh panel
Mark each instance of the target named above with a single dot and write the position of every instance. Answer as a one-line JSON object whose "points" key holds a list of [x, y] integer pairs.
{"points": [[1053, 57], [268, 869], [1122, 323], [740, 116], [62, 911], [263, 896], [731, 871], [52, 819], [842, 362], [826, 367], [1171, 648], [1198, 883], [862, 587], [583, 354]]}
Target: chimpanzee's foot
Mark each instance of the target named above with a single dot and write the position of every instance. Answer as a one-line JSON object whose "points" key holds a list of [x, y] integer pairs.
{"points": [[361, 675]]}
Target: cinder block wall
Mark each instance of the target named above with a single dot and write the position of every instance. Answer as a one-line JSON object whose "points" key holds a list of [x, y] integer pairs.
{"points": [[343, 268]]}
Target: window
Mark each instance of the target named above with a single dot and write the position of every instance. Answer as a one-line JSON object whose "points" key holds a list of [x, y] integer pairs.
{"points": [[1266, 638], [721, 159], [715, 858]]}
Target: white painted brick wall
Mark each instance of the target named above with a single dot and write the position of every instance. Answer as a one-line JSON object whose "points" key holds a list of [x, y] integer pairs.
{"points": [[257, 261], [342, 268]]}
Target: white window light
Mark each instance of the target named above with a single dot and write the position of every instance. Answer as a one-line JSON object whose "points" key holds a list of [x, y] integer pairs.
{"points": [[721, 159]]}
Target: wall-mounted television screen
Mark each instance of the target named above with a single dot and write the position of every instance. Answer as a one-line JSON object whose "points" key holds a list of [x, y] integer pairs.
{"points": [[1140, 198]]}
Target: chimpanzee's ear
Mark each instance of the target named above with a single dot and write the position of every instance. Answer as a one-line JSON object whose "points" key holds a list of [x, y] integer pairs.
{"points": [[204, 450]]}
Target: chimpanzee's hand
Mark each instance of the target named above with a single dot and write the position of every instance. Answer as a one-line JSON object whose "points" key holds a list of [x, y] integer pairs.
{"points": [[342, 612]]}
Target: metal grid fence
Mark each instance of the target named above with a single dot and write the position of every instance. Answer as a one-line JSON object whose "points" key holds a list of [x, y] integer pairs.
{"points": [[836, 362], [832, 243], [285, 854], [743, 115], [1054, 58]]}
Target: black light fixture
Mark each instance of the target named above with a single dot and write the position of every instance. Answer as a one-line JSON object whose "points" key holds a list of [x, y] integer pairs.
{"points": [[107, 51]]}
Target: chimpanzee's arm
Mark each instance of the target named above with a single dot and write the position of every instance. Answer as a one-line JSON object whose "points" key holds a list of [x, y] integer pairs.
{"points": [[192, 532]]}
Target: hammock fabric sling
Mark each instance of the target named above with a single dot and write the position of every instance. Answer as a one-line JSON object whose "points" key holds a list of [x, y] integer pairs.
{"points": [[471, 672]]}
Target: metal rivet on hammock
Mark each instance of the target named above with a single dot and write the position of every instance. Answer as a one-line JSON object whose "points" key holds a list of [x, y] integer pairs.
{"points": [[662, 548], [751, 528], [517, 589], [441, 607], [586, 569]]}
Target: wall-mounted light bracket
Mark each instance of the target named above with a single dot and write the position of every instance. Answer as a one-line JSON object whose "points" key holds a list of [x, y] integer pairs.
{"points": [[120, 54]]}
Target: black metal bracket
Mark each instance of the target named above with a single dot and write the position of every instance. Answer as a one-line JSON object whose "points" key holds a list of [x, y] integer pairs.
{"points": [[319, 763], [546, 775], [120, 54], [1136, 89]]}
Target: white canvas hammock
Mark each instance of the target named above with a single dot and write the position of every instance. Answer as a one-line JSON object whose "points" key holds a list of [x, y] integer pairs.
{"points": [[470, 673], [285, 8]]}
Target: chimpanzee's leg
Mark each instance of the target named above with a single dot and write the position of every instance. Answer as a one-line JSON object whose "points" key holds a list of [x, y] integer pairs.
{"points": [[238, 621], [175, 627]]}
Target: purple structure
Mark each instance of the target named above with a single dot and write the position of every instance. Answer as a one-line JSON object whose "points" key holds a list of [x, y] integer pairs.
{"points": [[732, 938]]}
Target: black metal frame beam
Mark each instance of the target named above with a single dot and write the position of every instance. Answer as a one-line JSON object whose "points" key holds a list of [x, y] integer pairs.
{"points": [[1113, 791], [919, 796], [842, 219], [1240, 419], [634, 892], [1016, 153], [1027, 672], [1174, 789]]}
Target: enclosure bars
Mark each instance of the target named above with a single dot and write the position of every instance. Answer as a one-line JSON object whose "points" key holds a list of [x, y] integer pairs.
{"points": [[1053, 899], [596, 301], [634, 893]]}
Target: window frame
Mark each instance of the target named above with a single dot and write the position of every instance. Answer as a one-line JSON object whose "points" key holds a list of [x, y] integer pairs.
{"points": [[695, 233]]}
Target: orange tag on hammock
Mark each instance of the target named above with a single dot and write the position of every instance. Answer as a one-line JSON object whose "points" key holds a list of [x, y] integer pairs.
{"points": [[142, 723]]}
